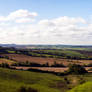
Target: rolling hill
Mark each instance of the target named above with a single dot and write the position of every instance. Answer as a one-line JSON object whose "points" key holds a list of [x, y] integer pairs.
{"points": [[12, 80]]}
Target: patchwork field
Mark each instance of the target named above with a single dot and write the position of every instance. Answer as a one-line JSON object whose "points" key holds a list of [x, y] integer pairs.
{"points": [[23, 71], [42, 60]]}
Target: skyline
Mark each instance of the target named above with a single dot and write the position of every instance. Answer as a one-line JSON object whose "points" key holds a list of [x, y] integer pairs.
{"points": [[46, 22]]}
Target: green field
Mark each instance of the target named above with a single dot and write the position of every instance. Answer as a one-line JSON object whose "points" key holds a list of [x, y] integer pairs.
{"points": [[12, 80]]}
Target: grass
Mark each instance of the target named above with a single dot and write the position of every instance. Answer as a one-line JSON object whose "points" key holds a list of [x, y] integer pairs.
{"points": [[86, 87], [12, 80], [63, 52], [72, 53], [83, 83], [9, 51]]}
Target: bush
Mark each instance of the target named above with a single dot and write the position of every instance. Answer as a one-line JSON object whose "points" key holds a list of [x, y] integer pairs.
{"points": [[57, 65], [31, 90], [5, 65], [76, 69], [24, 89]]}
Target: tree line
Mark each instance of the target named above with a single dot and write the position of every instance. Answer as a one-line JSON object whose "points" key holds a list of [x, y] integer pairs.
{"points": [[34, 64]]}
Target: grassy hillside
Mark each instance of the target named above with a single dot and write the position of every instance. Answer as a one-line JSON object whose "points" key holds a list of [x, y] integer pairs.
{"points": [[84, 83], [12, 80], [86, 87]]}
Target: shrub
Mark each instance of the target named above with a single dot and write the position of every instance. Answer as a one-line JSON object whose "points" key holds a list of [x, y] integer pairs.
{"points": [[76, 69], [24, 89], [57, 65]]}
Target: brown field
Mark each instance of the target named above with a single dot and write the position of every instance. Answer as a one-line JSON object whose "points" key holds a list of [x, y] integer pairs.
{"points": [[2, 60], [44, 68], [42, 60], [50, 68]]}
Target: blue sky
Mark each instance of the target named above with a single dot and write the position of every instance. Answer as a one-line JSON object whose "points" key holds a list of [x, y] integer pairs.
{"points": [[46, 22], [49, 8]]}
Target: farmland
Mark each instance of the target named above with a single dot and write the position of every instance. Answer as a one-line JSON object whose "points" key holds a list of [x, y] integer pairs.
{"points": [[42, 60], [63, 57], [46, 69]]}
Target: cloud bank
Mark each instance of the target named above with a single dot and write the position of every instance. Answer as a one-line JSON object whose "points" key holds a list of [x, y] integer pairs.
{"points": [[21, 27]]}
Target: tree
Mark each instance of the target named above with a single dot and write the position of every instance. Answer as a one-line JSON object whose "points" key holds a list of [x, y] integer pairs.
{"points": [[76, 69], [57, 64], [5, 65]]}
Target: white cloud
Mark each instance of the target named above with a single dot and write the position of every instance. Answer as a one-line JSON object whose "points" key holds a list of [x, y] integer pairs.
{"points": [[21, 13], [19, 16], [62, 30]]}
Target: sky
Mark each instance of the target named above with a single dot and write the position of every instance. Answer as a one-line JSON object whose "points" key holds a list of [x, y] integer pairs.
{"points": [[46, 22]]}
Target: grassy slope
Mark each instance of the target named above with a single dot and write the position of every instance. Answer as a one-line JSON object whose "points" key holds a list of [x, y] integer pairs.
{"points": [[86, 87], [12, 80]]}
